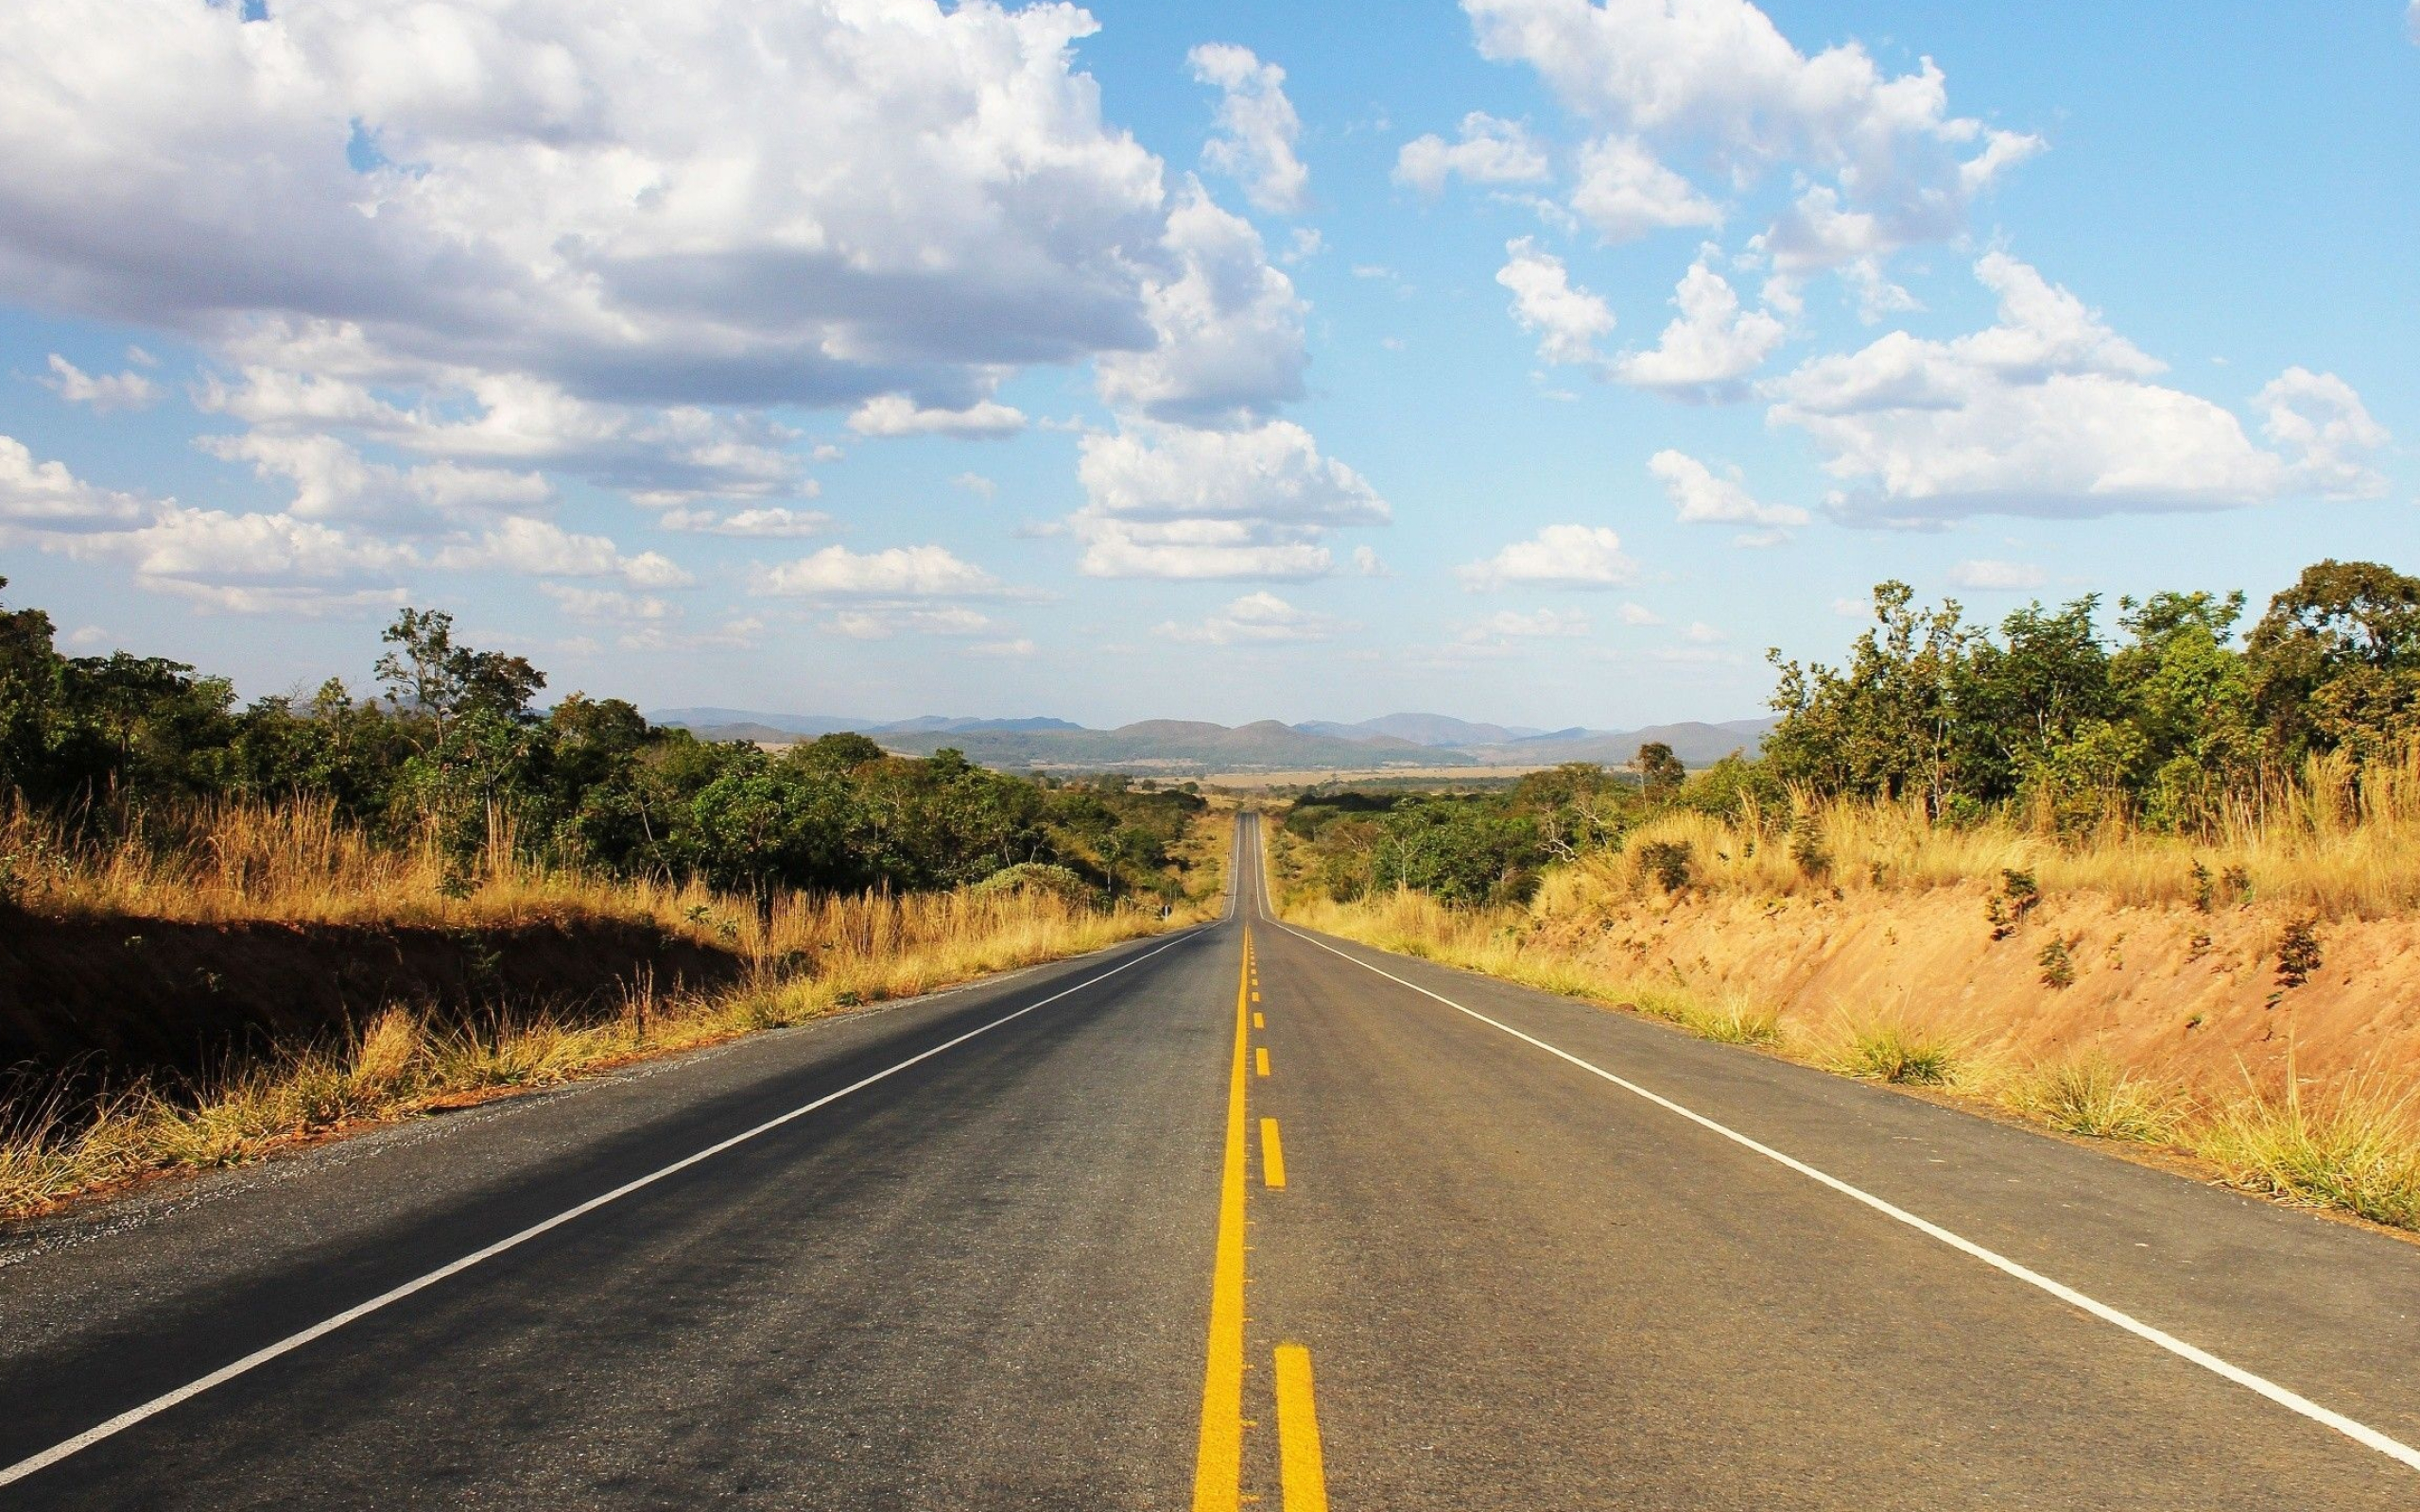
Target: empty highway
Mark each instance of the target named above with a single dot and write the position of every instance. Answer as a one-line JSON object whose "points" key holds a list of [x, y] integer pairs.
{"points": [[1236, 1216]]}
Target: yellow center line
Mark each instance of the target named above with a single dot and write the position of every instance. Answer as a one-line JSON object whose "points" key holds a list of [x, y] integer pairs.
{"points": [[1273, 1157], [1300, 1473], [1259, 1023], [1260, 1060], [1218, 1458]]}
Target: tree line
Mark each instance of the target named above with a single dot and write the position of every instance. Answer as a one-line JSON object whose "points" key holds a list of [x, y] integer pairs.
{"points": [[455, 751], [2049, 719]]}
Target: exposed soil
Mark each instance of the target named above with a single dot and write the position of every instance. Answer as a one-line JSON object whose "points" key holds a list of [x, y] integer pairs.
{"points": [[2188, 994]]}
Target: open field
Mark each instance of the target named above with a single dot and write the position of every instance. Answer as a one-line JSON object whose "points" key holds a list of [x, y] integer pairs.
{"points": [[1422, 777]]}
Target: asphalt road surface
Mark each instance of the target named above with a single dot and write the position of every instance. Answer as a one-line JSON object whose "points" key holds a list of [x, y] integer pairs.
{"points": [[1236, 1217]]}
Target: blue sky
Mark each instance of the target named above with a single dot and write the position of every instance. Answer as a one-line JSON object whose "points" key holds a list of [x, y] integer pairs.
{"points": [[1212, 362]]}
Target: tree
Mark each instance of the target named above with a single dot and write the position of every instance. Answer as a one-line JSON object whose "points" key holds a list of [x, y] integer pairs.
{"points": [[1660, 772], [2335, 661], [1885, 727]]}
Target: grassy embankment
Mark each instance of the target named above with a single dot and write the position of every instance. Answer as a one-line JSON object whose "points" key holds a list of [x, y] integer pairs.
{"points": [[2252, 1000], [293, 867]]}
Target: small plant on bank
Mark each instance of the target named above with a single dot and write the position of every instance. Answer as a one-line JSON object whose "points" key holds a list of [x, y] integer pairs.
{"points": [[1896, 1053], [2008, 908], [2058, 964], [2298, 952], [1807, 852], [1668, 861]]}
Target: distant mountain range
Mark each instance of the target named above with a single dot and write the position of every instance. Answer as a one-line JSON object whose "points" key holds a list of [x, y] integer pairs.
{"points": [[1181, 748]]}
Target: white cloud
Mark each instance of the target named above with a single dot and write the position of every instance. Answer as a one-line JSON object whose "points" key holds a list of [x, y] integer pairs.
{"points": [[976, 484], [1257, 128], [772, 522], [1511, 625], [45, 496], [1173, 502], [1717, 79], [609, 606], [250, 563], [806, 204], [332, 481], [1710, 347], [1567, 319], [898, 415], [826, 452], [2411, 22], [1556, 556], [1228, 327], [2047, 413], [1992, 576], [2318, 416], [541, 548], [108, 392], [1021, 646], [1701, 497], [1704, 634], [1626, 194], [1254, 619], [879, 622], [895, 572], [1490, 151], [1639, 614], [299, 382]]}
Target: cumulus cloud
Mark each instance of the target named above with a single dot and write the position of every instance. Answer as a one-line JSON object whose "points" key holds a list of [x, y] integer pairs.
{"points": [[1490, 151], [251, 563], [1257, 618], [103, 392], [45, 496], [898, 415], [1993, 577], [765, 523], [1228, 326], [541, 548], [1565, 318], [1176, 502], [1511, 625], [806, 205], [610, 605], [1700, 496], [1625, 193], [1716, 79], [2049, 412], [894, 573], [332, 481], [1556, 556], [1711, 345], [1639, 614], [1257, 128]]}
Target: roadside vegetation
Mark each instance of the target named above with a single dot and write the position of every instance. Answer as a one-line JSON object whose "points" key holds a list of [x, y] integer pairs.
{"points": [[544, 893], [2159, 886]]}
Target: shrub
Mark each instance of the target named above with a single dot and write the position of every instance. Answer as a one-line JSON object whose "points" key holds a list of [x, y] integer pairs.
{"points": [[2298, 952], [1668, 861], [2058, 964], [2093, 1095]]}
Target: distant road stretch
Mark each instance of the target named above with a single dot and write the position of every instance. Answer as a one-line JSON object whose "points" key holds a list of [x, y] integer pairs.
{"points": [[1240, 1216]]}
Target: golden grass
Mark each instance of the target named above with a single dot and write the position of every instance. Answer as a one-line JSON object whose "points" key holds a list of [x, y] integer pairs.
{"points": [[813, 955], [2353, 1149], [2334, 840]]}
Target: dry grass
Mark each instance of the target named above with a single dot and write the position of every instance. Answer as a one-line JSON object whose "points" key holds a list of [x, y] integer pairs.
{"points": [[2357, 1149], [813, 955], [2332, 841], [1887, 1050], [2094, 1096]]}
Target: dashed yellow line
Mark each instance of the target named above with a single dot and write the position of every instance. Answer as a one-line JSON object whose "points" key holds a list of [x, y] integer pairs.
{"points": [[1218, 1456], [1273, 1157], [1259, 1023], [1260, 1060], [1301, 1473]]}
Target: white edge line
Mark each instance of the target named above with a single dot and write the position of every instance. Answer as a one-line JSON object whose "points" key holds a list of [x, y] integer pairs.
{"points": [[2292, 1402], [294, 1341]]}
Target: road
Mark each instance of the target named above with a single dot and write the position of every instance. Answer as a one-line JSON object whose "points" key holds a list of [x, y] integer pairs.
{"points": [[1023, 1246]]}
